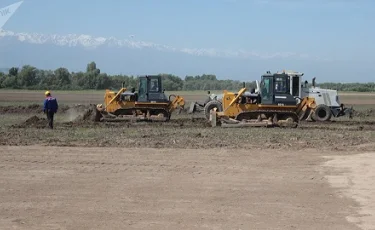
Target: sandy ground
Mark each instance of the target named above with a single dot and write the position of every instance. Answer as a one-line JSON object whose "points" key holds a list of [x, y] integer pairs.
{"points": [[119, 188], [354, 176]]}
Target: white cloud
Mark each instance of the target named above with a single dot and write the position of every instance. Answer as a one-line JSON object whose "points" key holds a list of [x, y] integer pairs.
{"points": [[91, 42]]}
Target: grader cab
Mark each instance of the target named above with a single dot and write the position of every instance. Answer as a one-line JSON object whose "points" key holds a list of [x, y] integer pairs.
{"points": [[149, 103], [327, 101], [274, 105]]}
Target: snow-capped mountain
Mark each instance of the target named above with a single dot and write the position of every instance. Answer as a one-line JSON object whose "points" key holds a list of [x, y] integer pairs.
{"points": [[127, 56], [87, 41]]}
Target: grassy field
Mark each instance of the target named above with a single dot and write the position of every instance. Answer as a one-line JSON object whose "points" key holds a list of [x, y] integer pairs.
{"points": [[181, 174]]}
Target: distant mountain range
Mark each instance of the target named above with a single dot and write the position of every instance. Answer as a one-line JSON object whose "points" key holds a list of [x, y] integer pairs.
{"points": [[115, 56]]}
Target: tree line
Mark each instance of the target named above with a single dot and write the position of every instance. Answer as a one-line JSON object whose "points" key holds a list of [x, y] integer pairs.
{"points": [[32, 78]]}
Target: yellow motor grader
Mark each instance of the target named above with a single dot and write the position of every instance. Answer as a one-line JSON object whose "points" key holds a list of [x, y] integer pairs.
{"points": [[148, 104], [272, 106]]}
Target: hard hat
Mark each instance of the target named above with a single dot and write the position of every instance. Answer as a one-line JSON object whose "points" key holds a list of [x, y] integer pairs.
{"points": [[47, 92]]}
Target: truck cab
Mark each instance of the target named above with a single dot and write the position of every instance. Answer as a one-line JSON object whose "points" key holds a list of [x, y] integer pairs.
{"points": [[151, 89], [327, 99]]}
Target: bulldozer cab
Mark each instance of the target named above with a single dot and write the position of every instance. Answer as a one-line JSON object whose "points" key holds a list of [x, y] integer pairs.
{"points": [[150, 89], [279, 89]]}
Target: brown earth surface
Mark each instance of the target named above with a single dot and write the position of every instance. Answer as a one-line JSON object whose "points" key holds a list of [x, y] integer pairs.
{"points": [[140, 188], [74, 127], [181, 174]]}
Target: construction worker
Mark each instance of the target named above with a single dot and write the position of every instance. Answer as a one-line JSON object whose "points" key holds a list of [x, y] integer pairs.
{"points": [[50, 107]]}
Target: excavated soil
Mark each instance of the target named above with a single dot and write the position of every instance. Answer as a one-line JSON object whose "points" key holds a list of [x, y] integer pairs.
{"points": [[75, 127], [365, 113], [76, 115], [85, 116], [33, 121]]}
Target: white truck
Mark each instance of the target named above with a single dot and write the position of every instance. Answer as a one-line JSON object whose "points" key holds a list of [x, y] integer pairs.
{"points": [[327, 100]]}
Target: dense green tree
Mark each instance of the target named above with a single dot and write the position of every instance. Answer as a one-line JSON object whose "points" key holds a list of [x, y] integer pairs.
{"points": [[63, 76], [29, 77], [13, 71]]}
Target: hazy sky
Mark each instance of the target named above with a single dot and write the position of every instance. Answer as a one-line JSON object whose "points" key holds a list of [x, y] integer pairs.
{"points": [[320, 30]]}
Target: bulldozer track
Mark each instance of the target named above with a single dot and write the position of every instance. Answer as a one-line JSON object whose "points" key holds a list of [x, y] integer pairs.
{"points": [[116, 116], [282, 119], [254, 114]]}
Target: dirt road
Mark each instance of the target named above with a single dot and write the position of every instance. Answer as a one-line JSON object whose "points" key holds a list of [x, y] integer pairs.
{"points": [[117, 188]]}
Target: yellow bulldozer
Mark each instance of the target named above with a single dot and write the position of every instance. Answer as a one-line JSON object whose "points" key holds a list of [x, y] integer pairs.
{"points": [[149, 103], [272, 106]]}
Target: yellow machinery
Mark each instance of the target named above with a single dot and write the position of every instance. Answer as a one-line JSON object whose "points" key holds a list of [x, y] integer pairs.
{"points": [[272, 106], [148, 104]]}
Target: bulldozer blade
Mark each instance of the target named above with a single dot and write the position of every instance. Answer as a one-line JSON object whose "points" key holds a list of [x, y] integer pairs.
{"points": [[192, 108], [231, 123], [133, 119]]}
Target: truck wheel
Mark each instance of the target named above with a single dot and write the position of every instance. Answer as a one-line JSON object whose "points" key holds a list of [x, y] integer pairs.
{"points": [[210, 105], [322, 113]]}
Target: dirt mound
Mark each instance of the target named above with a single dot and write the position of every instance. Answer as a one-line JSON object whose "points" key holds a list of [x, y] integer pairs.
{"points": [[77, 116], [85, 113], [79, 113], [366, 113], [34, 121]]}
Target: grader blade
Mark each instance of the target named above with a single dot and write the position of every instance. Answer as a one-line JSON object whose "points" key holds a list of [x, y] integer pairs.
{"points": [[241, 124], [131, 118]]}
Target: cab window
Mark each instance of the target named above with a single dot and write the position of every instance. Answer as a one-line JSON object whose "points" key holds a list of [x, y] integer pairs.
{"points": [[154, 85], [142, 88], [265, 88], [281, 84]]}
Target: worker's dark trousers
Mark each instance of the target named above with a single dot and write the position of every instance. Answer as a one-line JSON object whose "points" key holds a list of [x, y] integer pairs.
{"points": [[50, 115]]}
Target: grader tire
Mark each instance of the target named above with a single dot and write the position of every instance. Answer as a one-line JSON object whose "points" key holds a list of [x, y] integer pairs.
{"points": [[210, 105], [322, 113]]}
